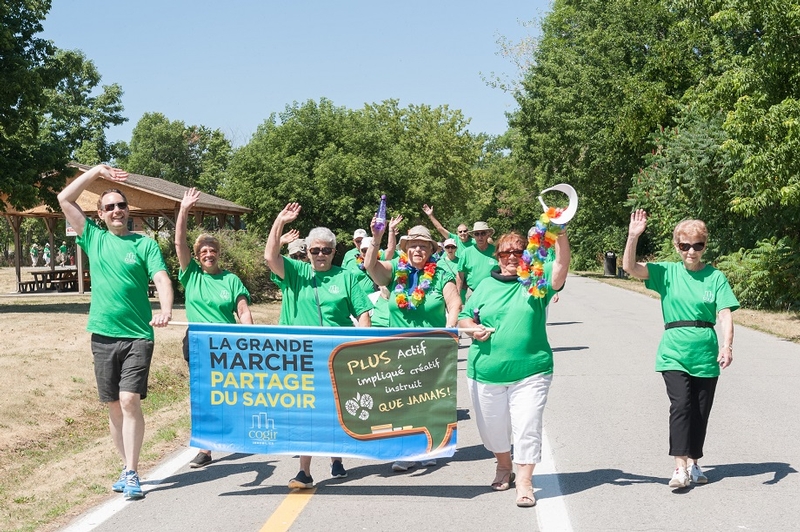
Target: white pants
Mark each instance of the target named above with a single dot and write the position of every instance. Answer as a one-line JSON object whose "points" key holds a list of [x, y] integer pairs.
{"points": [[512, 413]]}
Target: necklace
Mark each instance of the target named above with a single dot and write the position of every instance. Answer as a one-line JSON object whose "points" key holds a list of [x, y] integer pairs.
{"points": [[360, 259], [530, 272], [417, 296]]}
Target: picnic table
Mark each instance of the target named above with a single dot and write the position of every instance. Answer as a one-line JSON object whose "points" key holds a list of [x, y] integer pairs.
{"points": [[61, 279]]}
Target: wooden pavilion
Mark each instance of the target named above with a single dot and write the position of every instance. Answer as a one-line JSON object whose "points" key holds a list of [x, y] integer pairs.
{"points": [[153, 203]]}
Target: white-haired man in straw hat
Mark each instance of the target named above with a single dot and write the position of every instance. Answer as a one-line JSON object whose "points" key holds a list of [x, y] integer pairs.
{"points": [[476, 262]]}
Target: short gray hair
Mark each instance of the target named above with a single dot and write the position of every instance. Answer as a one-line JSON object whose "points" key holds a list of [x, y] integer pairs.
{"points": [[322, 234]]}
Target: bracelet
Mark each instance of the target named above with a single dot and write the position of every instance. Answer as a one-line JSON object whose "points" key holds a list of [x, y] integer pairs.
{"points": [[727, 347]]}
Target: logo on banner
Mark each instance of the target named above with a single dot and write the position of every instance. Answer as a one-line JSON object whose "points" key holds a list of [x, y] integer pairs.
{"points": [[262, 429]]}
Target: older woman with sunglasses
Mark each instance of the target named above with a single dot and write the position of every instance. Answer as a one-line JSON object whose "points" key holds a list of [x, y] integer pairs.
{"points": [[323, 295], [693, 296], [509, 370]]}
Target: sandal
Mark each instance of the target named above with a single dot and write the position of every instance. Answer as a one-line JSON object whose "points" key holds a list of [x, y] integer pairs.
{"points": [[506, 478], [526, 498]]}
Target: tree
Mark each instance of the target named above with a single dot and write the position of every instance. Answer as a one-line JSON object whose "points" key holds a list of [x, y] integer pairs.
{"points": [[47, 111], [171, 150], [337, 162]]}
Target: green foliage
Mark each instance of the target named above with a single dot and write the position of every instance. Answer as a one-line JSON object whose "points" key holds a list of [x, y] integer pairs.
{"points": [[48, 114], [193, 156], [337, 162], [765, 277], [604, 76]]}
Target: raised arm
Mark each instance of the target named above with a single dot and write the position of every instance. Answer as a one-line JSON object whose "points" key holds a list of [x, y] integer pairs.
{"points": [[391, 238], [561, 262], [68, 198], [636, 227], [190, 198], [289, 237], [272, 251], [379, 271], [439, 227]]}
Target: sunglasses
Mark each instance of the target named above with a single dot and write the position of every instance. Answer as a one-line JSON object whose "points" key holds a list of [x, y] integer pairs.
{"points": [[320, 251], [480, 233], [449, 247], [297, 256], [506, 254], [122, 205], [697, 246], [464, 231]]}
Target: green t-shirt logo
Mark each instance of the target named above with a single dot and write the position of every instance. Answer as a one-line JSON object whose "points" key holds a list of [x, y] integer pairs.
{"points": [[130, 258]]}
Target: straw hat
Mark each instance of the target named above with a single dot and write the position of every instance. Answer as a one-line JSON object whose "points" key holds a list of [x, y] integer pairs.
{"points": [[482, 226], [418, 232]]}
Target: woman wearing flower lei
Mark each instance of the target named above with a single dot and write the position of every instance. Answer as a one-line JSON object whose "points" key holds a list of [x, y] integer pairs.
{"points": [[423, 294], [510, 363]]}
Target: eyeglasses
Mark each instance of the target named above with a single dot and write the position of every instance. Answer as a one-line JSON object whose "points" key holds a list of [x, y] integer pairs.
{"points": [[461, 232], [506, 254], [449, 247], [697, 246], [122, 205], [320, 251], [480, 233], [297, 256]]}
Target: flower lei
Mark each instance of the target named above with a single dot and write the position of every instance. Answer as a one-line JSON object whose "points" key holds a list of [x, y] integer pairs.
{"points": [[360, 259], [530, 271], [414, 299]]}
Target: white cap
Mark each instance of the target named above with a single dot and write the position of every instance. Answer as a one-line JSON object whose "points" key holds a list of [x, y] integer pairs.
{"points": [[449, 242], [365, 242], [360, 233]]}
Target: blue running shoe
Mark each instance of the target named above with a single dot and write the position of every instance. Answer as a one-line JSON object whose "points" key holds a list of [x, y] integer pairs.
{"points": [[119, 485], [132, 488]]}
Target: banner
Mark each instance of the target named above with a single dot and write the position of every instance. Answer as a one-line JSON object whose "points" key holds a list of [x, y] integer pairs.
{"points": [[387, 394]]}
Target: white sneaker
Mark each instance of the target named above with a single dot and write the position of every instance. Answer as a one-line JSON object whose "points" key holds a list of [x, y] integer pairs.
{"points": [[400, 466], [698, 477], [428, 463], [680, 478]]}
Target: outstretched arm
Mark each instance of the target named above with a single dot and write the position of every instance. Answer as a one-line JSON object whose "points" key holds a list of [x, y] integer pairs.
{"points": [[272, 251], [636, 227], [379, 271], [190, 198], [68, 198], [439, 227]]}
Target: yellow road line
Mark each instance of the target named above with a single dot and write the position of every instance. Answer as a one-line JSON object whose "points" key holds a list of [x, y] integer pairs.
{"points": [[283, 517]]}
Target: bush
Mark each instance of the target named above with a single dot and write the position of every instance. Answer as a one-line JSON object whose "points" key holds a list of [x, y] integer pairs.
{"points": [[765, 277]]}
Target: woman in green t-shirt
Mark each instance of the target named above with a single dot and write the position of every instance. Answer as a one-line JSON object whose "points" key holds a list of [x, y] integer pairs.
{"points": [[212, 295], [509, 370], [323, 295], [693, 296], [423, 293]]}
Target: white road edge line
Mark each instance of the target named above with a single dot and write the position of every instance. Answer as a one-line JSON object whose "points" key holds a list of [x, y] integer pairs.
{"points": [[154, 478], [551, 512]]}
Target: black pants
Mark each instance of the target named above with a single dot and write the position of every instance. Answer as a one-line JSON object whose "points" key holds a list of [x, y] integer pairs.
{"points": [[690, 405]]}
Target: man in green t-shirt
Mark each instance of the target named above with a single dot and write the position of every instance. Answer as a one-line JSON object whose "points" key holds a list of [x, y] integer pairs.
{"points": [[353, 252], [476, 262], [120, 317], [461, 238]]}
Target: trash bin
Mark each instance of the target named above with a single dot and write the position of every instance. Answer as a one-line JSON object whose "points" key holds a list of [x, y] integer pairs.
{"points": [[610, 269]]}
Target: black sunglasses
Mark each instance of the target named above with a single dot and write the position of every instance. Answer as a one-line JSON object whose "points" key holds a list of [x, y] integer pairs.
{"points": [[506, 254], [480, 233], [449, 247], [464, 231], [323, 251], [697, 246], [122, 205], [297, 256]]}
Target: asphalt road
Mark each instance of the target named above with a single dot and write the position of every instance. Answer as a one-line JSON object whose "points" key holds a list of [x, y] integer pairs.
{"points": [[605, 464]]}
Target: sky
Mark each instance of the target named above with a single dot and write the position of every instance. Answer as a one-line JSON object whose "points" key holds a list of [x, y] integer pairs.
{"points": [[229, 65]]}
